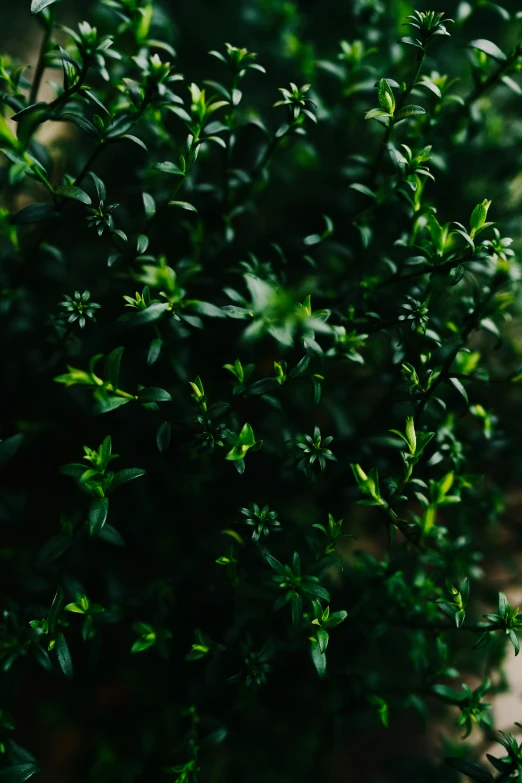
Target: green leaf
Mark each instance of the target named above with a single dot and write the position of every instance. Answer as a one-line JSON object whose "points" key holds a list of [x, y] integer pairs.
{"points": [[124, 476], [503, 604], [163, 436], [39, 5], [149, 205], [53, 549], [318, 658], [137, 141], [478, 216], [408, 40], [108, 404], [85, 125], [490, 326], [183, 205], [460, 388], [448, 694], [34, 213], [237, 312], [322, 638], [9, 447], [297, 610], [153, 394], [111, 370], [363, 189], [409, 111], [472, 770], [39, 109], [19, 772], [73, 192], [99, 185], [149, 314], [512, 84], [457, 274], [513, 638], [373, 113], [112, 536], [483, 641], [64, 656], [98, 515], [55, 610], [275, 564], [207, 308], [300, 368], [263, 386], [168, 168], [142, 644], [154, 351], [246, 436], [386, 97], [489, 48]]}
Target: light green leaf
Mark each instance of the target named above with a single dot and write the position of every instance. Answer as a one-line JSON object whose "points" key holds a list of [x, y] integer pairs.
{"points": [[489, 48]]}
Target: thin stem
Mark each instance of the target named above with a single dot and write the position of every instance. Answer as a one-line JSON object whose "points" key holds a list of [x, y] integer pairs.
{"points": [[73, 89], [423, 270], [393, 519], [229, 120], [493, 78], [400, 101], [375, 206], [269, 151], [83, 173], [190, 160], [150, 222], [446, 367], [40, 66]]}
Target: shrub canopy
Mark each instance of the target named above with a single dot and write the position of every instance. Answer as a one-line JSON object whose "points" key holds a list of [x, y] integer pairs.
{"points": [[260, 400]]}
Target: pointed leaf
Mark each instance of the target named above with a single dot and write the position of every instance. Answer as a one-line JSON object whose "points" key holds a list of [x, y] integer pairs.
{"points": [[64, 656], [98, 515], [489, 48]]}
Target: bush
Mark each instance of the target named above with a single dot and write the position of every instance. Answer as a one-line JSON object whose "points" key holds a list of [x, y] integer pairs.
{"points": [[287, 338]]}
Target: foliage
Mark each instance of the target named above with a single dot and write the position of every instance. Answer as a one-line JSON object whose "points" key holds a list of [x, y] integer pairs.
{"points": [[295, 307]]}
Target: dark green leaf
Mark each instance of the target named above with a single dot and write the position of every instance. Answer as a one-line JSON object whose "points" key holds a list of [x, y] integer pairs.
{"points": [[64, 656], [137, 141], [82, 123], [19, 772], [55, 610], [168, 168], [318, 658], [163, 436], [9, 447], [111, 368], [53, 549], [98, 515], [124, 476], [459, 387], [34, 213], [183, 205], [149, 204], [472, 770], [363, 189], [150, 314], [153, 394], [111, 535], [154, 351], [73, 192]]}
